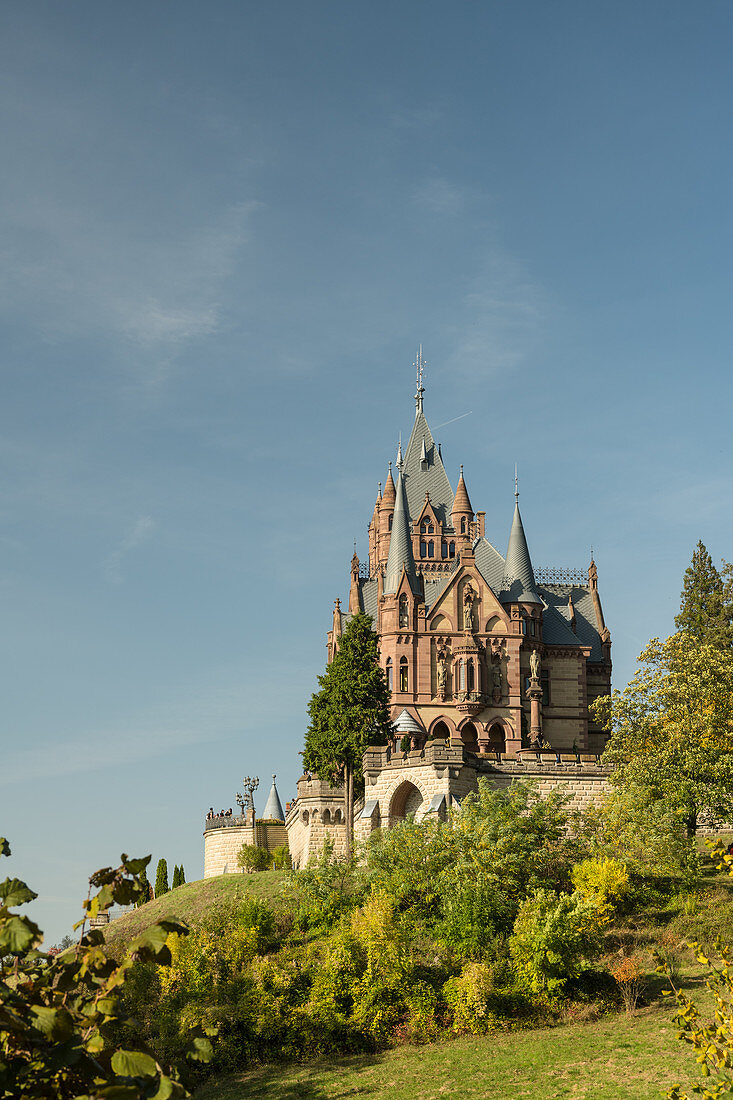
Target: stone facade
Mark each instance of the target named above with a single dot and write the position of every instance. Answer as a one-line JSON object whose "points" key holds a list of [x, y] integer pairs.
{"points": [[223, 841], [430, 781]]}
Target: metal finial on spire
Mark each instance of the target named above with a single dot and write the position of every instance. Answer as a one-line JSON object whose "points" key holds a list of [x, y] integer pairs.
{"points": [[399, 453], [419, 368], [516, 485], [354, 545]]}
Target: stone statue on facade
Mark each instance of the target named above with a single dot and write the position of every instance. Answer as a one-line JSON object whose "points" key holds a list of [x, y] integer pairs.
{"points": [[534, 664], [442, 672], [468, 601]]}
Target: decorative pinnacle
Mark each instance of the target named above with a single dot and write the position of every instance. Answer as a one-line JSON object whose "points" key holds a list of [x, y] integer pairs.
{"points": [[398, 463], [516, 485], [419, 368]]}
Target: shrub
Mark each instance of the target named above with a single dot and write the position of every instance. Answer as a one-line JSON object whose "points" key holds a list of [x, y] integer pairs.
{"points": [[601, 880], [281, 858], [628, 974], [468, 997], [60, 1013], [554, 937], [325, 889], [251, 858]]}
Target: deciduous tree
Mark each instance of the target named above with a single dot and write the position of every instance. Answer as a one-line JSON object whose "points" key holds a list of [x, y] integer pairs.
{"points": [[348, 713], [672, 727]]}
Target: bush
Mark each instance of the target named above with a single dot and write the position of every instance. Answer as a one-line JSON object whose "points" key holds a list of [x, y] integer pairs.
{"points": [[630, 978], [281, 858], [325, 889], [61, 1013], [468, 997], [252, 858], [603, 881], [554, 937]]}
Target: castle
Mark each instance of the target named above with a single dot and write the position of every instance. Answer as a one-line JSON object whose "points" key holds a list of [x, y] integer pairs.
{"points": [[491, 664]]}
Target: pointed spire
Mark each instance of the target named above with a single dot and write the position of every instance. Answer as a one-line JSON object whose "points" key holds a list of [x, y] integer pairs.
{"points": [[419, 368], [461, 502], [398, 462], [273, 808], [400, 545], [519, 585], [389, 494]]}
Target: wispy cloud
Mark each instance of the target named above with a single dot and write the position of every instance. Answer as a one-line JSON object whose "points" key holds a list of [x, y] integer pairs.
{"points": [[503, 316], [136, 536]]}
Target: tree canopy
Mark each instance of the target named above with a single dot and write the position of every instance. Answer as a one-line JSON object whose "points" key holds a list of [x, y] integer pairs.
{"points": [[350, 711], [706, 606], [672, 727]]}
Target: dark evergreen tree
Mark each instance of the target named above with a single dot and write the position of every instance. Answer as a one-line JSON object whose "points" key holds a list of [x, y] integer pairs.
{"points": [[181, 876], [348, 713], [161, 878], [706, 607], [174, 882]]}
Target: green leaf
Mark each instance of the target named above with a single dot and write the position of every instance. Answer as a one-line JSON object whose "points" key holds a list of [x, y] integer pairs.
{"points": [[4, 847], [200, 1050], [167, 1089], [134, 866], [54, 1022], [15, 892], [133, 1063], [17, 935]]}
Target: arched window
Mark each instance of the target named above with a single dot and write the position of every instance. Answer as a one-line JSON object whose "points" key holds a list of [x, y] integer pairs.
{"points": [[452, 550], [461, 676], [426, 527], [404, 611], [388, 670], [463, 525], [524, 624], [306, 817], [423, 548], [469, 677], [497, 739], [469, 736], [442, 732], [431, 549], [444, 549], [391, 516], [326, 817], [403, 673]]}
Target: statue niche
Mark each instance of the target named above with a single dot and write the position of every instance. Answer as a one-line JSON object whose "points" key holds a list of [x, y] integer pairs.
{"points": [[442, 672], [469, 599]]}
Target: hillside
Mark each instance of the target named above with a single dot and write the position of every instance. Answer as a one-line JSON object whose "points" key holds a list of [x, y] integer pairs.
{"points": [[619, 1057], [192, 901]]}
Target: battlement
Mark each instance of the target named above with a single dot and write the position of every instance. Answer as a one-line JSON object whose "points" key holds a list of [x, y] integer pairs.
{"points": [[526, 763]]}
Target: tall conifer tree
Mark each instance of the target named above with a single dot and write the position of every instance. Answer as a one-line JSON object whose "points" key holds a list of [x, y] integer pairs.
{"points": [[349, 713], [161, 878], [706, 608], [181, 876], [175, 881], [144, 883]]}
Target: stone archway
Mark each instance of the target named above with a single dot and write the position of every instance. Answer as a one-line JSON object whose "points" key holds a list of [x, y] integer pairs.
{"points": [[406, 800], [469, 736], [497, 738]]}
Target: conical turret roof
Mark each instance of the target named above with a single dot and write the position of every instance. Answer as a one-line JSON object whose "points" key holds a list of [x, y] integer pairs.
{"points": [[400, 545], [461, 502], [519, 584], [273, 809], [389, 494]]}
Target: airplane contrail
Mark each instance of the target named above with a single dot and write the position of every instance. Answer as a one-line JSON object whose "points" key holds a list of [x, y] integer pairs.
{"points": [[453, 420]]}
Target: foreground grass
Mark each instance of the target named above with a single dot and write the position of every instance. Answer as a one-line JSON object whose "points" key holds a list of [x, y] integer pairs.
{"points": [[193, 901], [619, 1057]]}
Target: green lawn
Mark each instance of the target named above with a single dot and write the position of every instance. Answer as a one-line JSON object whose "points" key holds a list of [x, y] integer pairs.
{"points": [[617, 1058], [192, 901]]}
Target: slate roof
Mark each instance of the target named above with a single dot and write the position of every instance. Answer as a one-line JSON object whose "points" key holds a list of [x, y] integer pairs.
{"points": [[519, 583], [426, 477], [586, 630], [490, 563], [405, 723], [273, 810], [400, 545]]}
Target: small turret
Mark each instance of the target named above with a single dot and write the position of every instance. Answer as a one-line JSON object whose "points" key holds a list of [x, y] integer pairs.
{"points": [[519, 585], [273, 808], [461, 514]]}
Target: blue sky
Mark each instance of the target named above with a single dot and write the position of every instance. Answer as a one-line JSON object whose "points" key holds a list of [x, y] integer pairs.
{"points": [[224, 229]]}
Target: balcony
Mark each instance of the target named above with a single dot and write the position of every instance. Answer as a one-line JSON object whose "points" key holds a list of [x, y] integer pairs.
{"points": [[471, 702]]}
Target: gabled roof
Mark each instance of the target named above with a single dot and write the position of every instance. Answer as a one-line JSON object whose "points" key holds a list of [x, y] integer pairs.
{"points": [[427, 476], [273, 810], [519, 585], [400, 546], [586, 626]]}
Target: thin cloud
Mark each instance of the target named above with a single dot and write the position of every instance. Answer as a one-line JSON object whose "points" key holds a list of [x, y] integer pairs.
{"points": [[138, 534], [441, 197]]}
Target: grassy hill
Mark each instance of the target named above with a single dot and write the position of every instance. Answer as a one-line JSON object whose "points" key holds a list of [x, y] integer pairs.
{"points": [[619, 1057], [192, 901]]}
